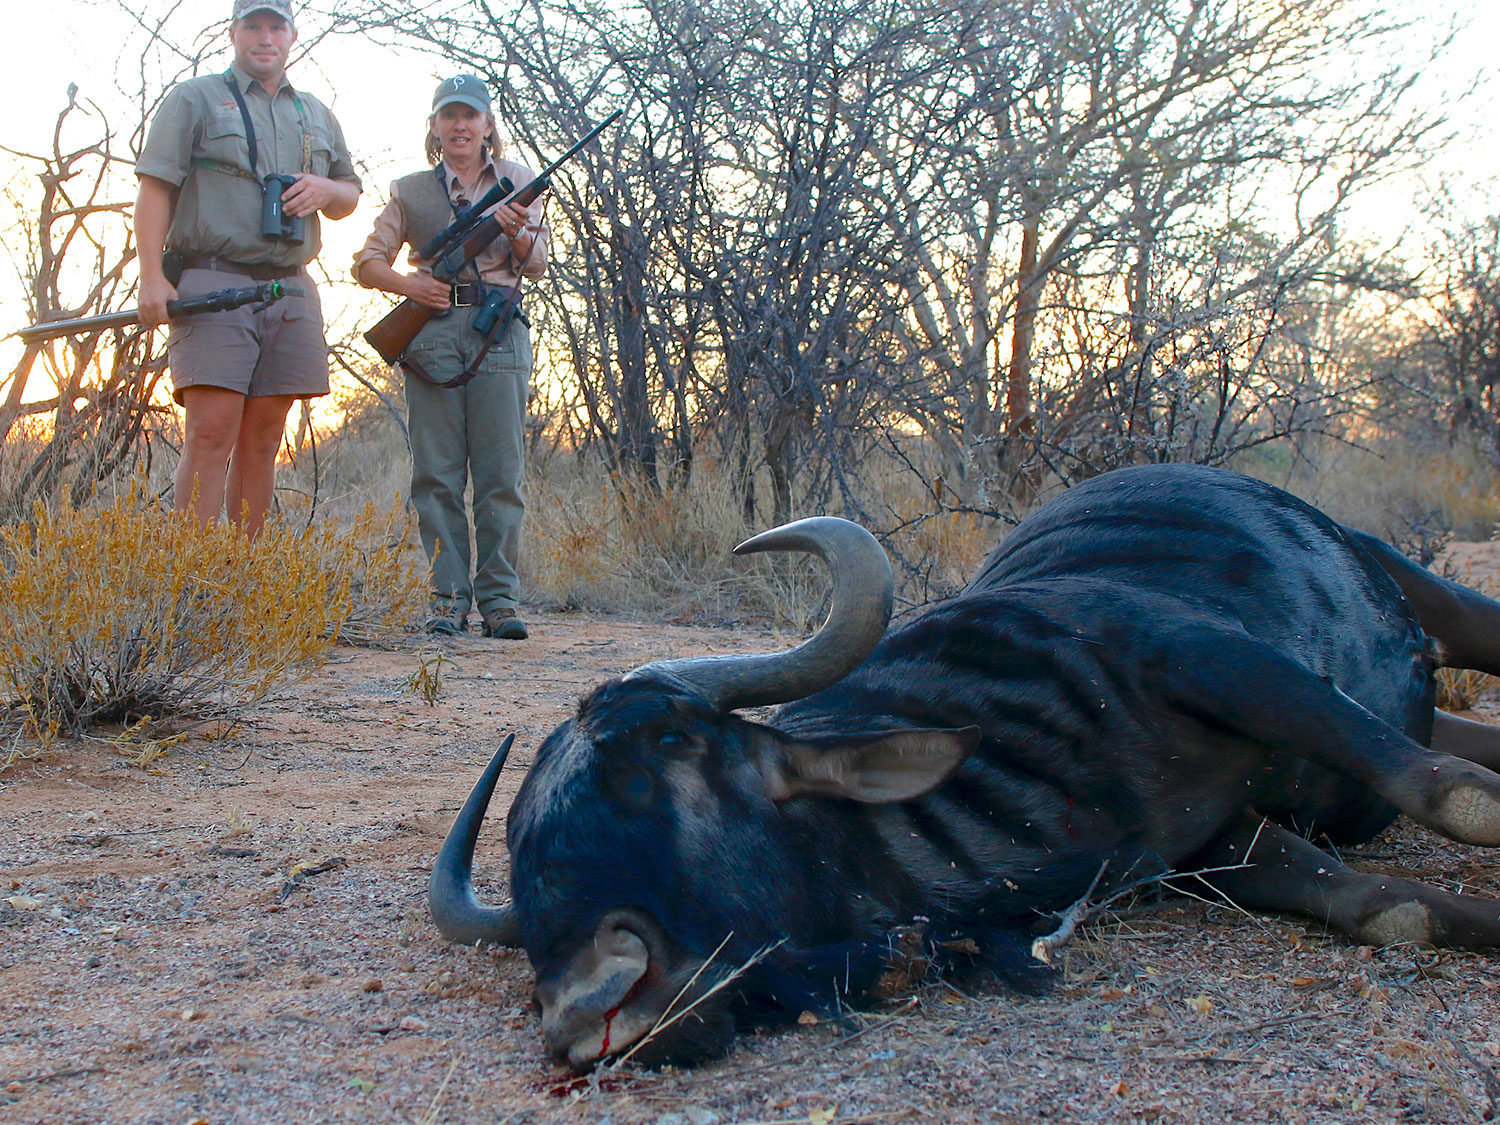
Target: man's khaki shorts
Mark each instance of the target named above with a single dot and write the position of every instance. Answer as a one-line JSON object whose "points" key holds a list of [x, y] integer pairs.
{"points": [[277, 351]]}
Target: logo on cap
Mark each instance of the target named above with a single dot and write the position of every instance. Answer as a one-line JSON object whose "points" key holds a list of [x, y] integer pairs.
{"points": [[463, 88]]}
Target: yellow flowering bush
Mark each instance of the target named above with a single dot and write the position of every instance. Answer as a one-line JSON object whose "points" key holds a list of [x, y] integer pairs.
{"points": [[126, 612]]}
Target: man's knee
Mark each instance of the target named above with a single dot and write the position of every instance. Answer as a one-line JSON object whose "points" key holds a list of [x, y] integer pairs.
{"points": [[211, 421]]}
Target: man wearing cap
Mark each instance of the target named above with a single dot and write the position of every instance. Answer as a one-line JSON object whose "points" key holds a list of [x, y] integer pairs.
{"points": [[202, 190], [476, 429]]}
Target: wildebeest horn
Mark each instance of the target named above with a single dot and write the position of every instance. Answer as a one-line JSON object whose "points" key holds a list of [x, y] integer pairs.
{"points": [[861, 609], [456, 910]]}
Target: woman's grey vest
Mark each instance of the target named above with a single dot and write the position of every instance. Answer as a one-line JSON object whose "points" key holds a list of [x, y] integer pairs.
{"points": [[424, 207]]}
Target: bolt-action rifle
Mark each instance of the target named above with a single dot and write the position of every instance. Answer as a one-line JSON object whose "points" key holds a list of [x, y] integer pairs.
{"points": [[457, 245], [218, 301]]}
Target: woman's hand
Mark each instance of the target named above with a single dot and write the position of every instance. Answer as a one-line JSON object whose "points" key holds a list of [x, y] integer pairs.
{"points": [[427, 291], [422, 288], [513, 218]]}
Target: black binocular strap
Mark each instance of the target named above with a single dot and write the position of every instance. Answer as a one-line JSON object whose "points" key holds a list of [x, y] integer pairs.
{"points": [[239, 100]]}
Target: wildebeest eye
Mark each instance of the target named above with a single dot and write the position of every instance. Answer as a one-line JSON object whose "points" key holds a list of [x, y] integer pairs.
{"points": [[672, 739]]}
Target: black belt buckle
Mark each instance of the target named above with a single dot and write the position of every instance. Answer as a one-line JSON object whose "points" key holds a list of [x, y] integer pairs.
{"points": [[467, 296]]}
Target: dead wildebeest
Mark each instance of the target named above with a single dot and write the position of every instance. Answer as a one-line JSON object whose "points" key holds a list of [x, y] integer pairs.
{"points": [[1166, 668]]}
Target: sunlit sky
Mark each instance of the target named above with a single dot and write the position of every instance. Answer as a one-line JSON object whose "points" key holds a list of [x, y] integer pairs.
{"points": [[381, 96]]}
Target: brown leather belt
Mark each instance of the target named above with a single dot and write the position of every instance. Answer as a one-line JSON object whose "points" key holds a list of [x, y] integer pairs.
{"points": [[466, 295], [224, 265]]}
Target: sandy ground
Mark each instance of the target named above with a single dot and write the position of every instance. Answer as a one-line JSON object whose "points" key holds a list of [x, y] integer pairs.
{"points": [[239, 934]]}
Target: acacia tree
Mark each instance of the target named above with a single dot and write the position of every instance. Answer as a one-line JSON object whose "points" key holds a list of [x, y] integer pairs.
{"points": [[1164, 166], [1458, 356], [731, 275], [1067, 236]]}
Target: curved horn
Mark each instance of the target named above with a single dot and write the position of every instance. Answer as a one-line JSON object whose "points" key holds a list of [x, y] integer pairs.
{"points": [[455, 909], [861, 609]]}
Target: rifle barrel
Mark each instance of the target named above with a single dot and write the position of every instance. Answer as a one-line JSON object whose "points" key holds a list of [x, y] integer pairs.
{"points": [[585, 139], [50, 330], [218, 301]]}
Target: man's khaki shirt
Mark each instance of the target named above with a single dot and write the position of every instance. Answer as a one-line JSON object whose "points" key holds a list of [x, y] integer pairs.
{"points": [[495, 262], [197, 144]]}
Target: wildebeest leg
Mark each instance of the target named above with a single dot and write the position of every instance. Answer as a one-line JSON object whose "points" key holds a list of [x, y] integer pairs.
{"points": [[1284, 872], [1464, 622], [1464, 738], [1230, 680]]}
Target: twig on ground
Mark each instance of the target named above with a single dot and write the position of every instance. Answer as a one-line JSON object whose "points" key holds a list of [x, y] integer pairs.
{"points": [[1212, 1057], [300, 872], [1070, 919], [431, 1116], [53, 1075], [879, 1022], [1084, 909]]}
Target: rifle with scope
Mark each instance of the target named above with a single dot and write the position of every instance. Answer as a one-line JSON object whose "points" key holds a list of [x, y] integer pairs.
{"points": [[218, 301], [458, 244]]}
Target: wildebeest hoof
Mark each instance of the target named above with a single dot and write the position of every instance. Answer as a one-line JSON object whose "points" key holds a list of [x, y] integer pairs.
{"points": [[1404, 922], [1469, 813]]}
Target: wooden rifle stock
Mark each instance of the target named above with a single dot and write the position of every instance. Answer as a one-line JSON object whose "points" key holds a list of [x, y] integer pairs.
{"points": [[395, 331], [399, 327]]}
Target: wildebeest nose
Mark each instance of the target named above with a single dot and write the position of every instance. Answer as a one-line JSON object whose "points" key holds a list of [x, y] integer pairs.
{"points": [[579, 1002]]}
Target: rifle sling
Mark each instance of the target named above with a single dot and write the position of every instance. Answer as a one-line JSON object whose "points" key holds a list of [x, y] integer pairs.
{"points": [[493, 337]]}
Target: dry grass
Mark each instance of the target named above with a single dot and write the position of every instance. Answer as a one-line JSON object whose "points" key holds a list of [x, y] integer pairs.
{"points": [[129, 614], [595, 541], [1411, 491], [600, 542], [387, 573]]}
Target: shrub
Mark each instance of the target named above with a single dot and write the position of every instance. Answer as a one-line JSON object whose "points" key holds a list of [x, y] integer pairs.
{"points": [[388, 587], [125, 612]]}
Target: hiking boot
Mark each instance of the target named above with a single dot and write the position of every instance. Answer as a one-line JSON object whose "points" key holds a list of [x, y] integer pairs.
{"points": [[504, 623], [452, 624]]}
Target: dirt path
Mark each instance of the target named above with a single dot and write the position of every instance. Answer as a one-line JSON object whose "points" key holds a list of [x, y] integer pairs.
{"points": [[161, 964]]}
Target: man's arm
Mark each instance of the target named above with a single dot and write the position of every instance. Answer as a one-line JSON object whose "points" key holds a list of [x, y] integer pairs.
{"points": [[153, 216]]}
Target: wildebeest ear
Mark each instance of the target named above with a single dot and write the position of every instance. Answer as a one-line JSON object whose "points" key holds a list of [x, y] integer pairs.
{"points": [[876, 768]]}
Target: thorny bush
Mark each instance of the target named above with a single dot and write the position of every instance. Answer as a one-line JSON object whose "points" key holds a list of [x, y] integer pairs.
{"points": [[126, 613]]}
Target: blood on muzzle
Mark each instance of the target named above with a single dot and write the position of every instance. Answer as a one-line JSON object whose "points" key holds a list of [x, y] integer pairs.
{"points": [[586, 1007]]}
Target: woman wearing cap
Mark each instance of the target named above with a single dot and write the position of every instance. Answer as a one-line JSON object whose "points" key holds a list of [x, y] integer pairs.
{"points": [[476, 428]]}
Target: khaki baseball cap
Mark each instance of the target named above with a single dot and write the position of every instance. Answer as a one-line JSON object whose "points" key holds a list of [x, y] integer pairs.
{"points": [[463, 88], [282, 8]]}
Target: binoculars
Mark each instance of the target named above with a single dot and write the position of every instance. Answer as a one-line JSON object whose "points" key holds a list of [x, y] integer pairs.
{"points": [[275, 224], [495, 302]]}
